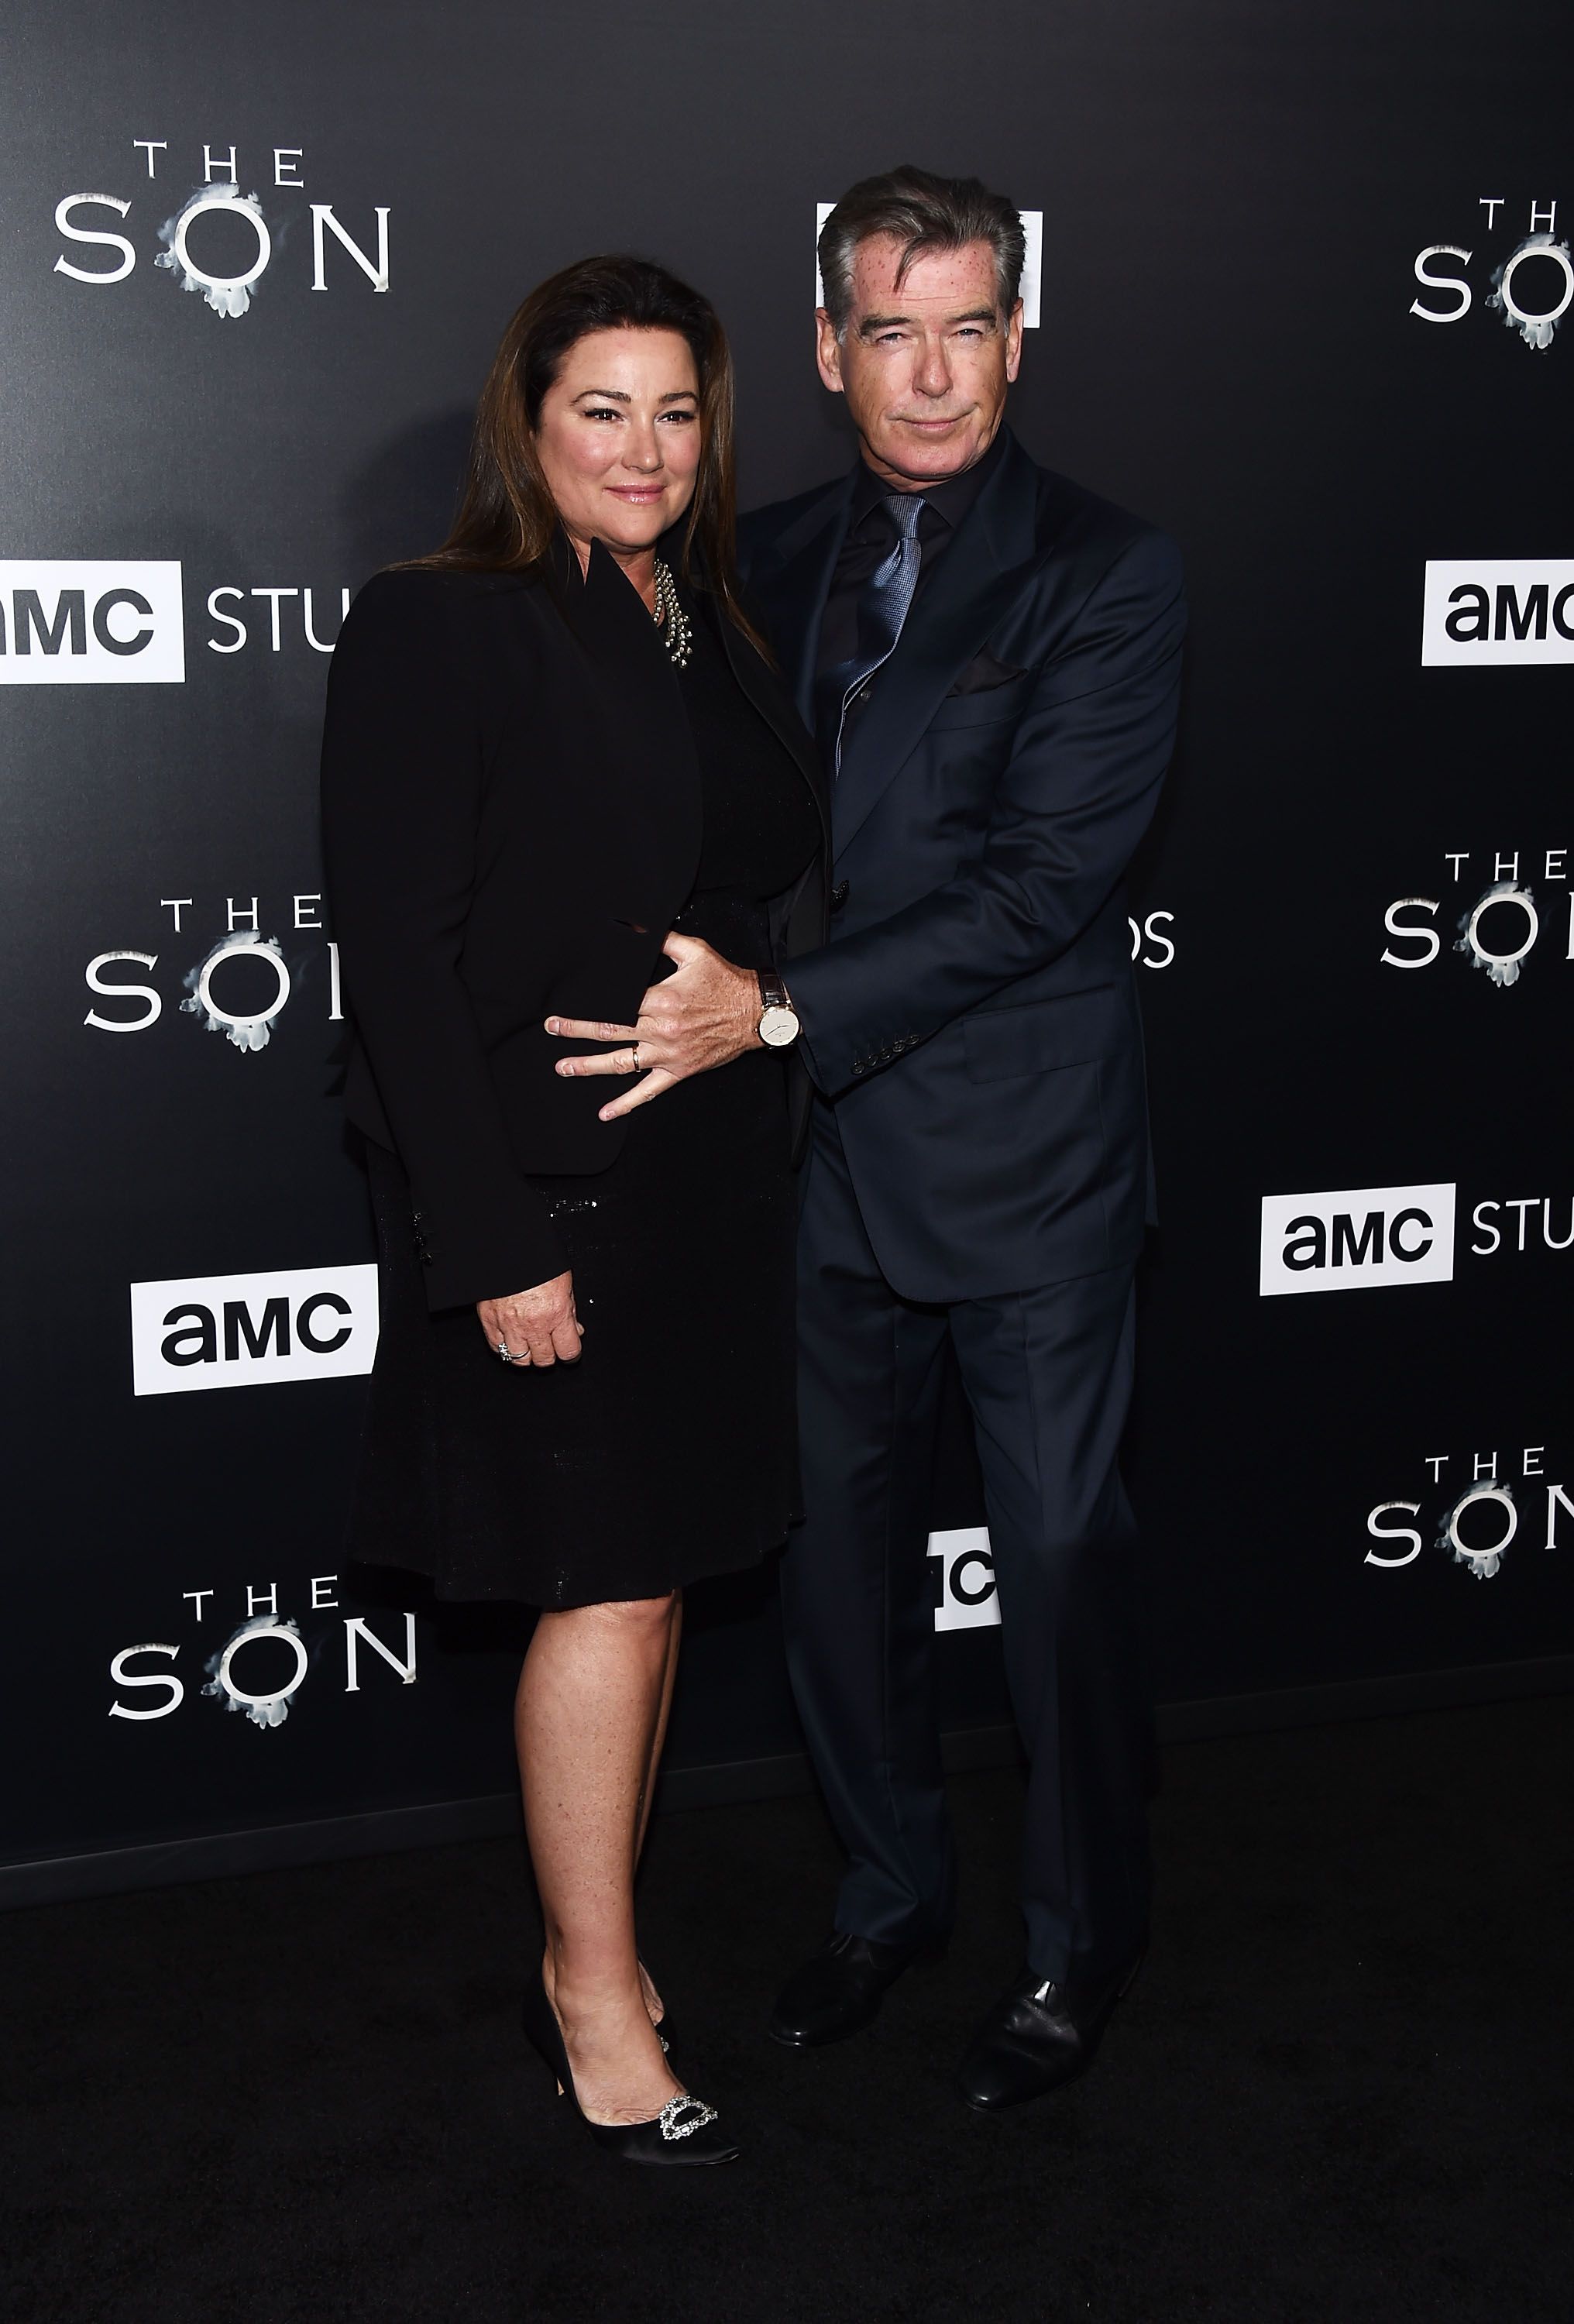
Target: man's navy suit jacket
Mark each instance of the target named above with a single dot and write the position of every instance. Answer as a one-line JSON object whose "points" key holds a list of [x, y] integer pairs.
{"points": [[974, 1015]]}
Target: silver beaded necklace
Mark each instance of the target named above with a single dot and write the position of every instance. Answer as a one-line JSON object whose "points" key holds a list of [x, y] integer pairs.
{"points": [[671, 617]]}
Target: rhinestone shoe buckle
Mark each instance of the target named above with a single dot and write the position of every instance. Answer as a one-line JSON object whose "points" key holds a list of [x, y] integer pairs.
{"points": [[671, 2118]]}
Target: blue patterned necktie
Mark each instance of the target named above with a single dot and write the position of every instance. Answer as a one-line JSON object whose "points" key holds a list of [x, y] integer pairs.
{"points": [[882, 608]]}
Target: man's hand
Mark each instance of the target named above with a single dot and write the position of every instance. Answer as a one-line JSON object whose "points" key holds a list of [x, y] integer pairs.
{"points": [[706, 1014], [538, 1326]]}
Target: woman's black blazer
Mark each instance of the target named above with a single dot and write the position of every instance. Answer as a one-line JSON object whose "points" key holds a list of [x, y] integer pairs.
{"points": [[511, 822]]}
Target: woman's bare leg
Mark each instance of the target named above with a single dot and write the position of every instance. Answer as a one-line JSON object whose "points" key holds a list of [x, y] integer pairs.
{"points": [[653, 2001], [663, 1713], [587, 1719]]}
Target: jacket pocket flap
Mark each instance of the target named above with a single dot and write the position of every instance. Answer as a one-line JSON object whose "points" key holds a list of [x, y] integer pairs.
{"points": [[984, 675], [989, 707], [1070, 1030]]}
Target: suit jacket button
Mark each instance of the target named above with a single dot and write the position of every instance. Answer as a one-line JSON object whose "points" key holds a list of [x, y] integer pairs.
{"points": [[838, 895]]}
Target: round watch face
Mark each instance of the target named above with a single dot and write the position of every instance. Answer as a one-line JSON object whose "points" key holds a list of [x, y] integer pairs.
{"points": [[778, 1027]]}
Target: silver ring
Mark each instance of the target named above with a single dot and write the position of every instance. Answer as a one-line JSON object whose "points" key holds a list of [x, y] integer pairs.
{"points": [[502, 1349]]}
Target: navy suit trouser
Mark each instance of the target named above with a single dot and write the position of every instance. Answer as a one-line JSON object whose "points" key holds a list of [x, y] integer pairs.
{"points": [[1047, 1374]]}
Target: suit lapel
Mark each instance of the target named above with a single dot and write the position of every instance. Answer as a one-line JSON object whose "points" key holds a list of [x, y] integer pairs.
{"points": [[770, 696], [656, 813], [794, 595], [984, 568]]}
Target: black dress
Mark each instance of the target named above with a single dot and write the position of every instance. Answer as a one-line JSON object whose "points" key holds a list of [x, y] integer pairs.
{"points": [[667, 1452]]}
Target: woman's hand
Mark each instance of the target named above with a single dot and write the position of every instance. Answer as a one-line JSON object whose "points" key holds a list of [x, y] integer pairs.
{"points": [[537, 1327], [703, 1015]]}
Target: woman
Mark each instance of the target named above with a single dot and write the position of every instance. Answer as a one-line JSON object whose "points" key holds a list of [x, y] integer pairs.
{"points": [[555, 751]]}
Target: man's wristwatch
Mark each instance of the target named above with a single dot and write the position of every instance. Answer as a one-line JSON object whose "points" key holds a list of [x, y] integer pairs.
{"points": [[778, 1025]]}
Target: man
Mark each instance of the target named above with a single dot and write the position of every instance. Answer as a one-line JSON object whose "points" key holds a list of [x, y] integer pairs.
{"points": [[990, 659]]}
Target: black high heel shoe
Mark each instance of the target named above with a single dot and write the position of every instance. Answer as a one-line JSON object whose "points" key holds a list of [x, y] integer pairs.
{"points": [[684, 2131]]}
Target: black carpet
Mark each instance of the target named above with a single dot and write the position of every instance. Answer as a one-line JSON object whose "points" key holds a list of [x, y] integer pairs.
{"points": [[1339, 2091]]}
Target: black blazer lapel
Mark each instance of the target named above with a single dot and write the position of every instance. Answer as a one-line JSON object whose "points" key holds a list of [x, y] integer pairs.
{"points": [[769, 692], [993, 556], [792, 592], [655, 775]]}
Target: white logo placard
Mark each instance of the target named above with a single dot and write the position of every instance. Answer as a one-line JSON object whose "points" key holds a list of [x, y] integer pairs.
{"points": [[84, 621], [967, 1579], [1355, 1237], [1483, 612], [247, 1331]]}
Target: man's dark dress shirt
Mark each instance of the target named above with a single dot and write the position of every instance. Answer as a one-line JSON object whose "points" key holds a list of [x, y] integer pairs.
{"points": [[870, 539]]}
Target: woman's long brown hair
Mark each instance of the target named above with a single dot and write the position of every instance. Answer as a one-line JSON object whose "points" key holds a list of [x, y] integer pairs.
{"points": [[507, 518]]}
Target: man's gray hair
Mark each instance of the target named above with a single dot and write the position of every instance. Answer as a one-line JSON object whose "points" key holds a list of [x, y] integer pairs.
{"points": [[924, 213]]}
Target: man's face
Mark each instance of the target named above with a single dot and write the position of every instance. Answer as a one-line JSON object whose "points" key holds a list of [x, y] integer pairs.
{"points": [[925, 364]]}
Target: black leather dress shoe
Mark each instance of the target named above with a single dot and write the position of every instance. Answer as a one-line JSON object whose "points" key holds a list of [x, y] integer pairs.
{"points": [[1036, 2038], [840, 1991]]}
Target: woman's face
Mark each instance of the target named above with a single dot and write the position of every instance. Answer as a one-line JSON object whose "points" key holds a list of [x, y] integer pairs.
{"points": [[618, 437]]}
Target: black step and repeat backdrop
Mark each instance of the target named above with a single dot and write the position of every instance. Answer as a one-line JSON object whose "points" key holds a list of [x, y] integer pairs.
{"points": [[1301, 292]]}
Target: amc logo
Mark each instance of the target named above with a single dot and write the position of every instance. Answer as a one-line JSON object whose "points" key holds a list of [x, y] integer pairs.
{"points": [[247, 1331], [1356, 1237], [967, 1600], [77, 621], [1486, 612]]}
